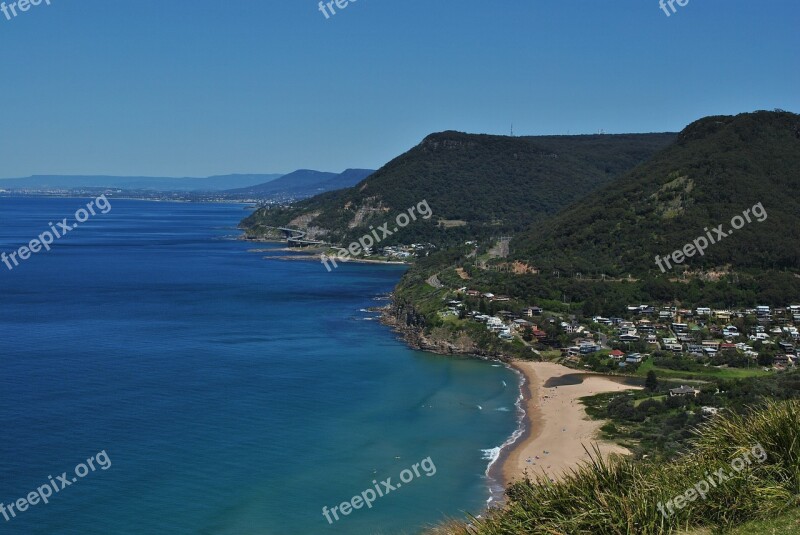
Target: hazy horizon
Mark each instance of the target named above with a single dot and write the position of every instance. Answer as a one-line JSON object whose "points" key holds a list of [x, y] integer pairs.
{"points": [[170, 90]]}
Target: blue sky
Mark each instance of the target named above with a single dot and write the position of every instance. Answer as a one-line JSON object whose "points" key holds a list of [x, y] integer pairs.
{"points": [[201, 87]]}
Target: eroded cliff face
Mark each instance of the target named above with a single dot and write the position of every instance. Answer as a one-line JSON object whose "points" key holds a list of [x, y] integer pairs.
{"points": [[412, 327]]}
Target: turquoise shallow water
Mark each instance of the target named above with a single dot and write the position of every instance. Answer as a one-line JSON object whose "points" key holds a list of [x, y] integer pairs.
{"points": [[232, 394]]}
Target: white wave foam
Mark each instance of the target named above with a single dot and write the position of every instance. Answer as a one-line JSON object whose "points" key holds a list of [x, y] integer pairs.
{"points": [[491, 454], [518, 432]]}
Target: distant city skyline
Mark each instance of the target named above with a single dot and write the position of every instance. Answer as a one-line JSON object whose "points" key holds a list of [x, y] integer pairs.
{"points": [[165, 90]]}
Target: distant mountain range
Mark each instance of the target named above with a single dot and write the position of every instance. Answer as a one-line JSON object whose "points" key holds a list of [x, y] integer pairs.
{"points": [[296, 185], [68, 182], [304, 183]]}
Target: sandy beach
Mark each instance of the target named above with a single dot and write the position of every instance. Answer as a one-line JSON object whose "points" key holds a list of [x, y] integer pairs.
{"points": [[557, 424]]}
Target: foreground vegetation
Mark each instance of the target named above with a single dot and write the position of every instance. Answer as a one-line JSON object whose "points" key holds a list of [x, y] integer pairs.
{"points": [[657, 426], [620, 496]]}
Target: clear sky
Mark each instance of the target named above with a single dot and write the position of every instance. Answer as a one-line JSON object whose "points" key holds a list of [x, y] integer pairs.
{"points": [[202, 87]]}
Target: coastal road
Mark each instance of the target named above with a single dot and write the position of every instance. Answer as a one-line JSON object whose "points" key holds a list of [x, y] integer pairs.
{"points": [[433, 280]]}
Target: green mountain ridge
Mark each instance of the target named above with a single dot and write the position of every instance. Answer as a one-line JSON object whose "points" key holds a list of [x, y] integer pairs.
{"points": [[717, 168], [478, 184]]}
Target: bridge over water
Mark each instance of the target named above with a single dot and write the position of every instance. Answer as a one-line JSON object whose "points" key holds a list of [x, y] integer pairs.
{"points": [[296, 238]]}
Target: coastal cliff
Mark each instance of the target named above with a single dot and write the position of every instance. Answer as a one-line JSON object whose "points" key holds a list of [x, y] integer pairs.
{"points": [[413, 328]]}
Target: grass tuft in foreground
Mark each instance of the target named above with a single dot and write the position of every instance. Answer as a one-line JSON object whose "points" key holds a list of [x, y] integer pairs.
{"points": [[753, 461]]}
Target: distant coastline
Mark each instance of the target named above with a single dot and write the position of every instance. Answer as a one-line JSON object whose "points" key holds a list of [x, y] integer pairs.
{"points": [[312, 254]]}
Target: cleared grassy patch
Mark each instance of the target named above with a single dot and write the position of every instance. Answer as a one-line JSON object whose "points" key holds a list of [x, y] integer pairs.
{"points": [[708, 373], [654, 398]]}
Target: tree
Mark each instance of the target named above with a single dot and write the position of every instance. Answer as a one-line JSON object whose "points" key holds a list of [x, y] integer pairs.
{"points": [[651, 383], [765, 359]]}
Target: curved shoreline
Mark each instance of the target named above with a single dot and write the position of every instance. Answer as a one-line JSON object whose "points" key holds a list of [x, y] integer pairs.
{"points": [[556, 426], [495, 469], [553, 425]]}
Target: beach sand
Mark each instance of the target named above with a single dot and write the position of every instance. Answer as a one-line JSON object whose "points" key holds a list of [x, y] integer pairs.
{"points": [[556, 423]]}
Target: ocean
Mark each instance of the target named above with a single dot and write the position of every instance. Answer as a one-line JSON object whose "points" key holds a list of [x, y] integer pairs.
{"points": [[231, 393]]}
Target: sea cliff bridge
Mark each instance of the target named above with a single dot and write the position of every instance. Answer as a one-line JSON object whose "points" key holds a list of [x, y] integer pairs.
{"points": [[296, 238]]}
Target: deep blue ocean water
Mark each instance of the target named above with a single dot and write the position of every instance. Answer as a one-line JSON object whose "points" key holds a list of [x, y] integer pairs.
{"points": [[233, 394]]}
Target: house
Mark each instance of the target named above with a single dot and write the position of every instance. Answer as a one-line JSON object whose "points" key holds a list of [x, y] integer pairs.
{"points": [[532, 311], [730, 332], [783, 361], [694, 349], [587, 349], [494, 323], [539, 334], [628, 338], [646, 326], [616, 354], [683, 391], [703, 311], [634, 358], [680, 328]]}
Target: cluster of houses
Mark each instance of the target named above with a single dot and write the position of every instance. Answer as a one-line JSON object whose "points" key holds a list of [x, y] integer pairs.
{"points": [[700, 332], [506, 324], [679, 331], [404, 251]]}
